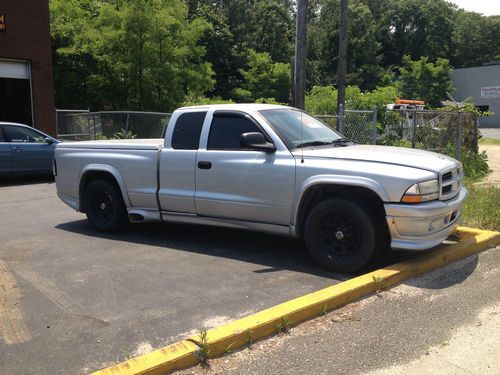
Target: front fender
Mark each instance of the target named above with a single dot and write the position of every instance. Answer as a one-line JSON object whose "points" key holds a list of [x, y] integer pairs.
{"points": [[325, 179]]}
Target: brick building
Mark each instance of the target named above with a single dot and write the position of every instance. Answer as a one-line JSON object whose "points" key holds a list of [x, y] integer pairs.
{"points": [[26, 87]]}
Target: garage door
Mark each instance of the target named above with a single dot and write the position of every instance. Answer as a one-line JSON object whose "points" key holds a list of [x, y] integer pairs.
{"points": [[14, 69], [15, 92]]}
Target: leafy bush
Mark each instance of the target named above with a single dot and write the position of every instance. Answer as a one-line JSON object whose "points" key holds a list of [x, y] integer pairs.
{"points": [[203, 100], [123, 134], [322, 100], [268, 101], [482, 207], [475, 165]]}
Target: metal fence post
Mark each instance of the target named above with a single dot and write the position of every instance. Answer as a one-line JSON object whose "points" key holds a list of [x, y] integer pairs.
{"points": [[341, 124], [374, 127], [414, 130], [475, 131], [57, 123], [126, 124], [458, 137]]}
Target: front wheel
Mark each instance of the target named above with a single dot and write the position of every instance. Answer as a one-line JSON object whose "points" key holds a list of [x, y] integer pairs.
{"points": [[104, 206], [341, 235]]}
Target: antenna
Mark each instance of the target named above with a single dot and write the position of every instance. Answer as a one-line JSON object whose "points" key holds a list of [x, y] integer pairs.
{"points": [[301, 138]]}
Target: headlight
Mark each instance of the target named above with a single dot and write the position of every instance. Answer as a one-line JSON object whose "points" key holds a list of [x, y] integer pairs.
{"points": [[422, 192]]}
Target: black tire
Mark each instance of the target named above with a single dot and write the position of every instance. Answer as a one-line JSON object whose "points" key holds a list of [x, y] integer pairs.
{"points": [[104, 206], [341, 235]]}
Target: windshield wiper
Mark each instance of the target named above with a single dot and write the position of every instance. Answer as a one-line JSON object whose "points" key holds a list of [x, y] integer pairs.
{"points": [[343, 142], [336, 142], [313, 143]]}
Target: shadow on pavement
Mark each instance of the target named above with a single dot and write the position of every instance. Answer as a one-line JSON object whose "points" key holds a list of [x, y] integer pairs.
{"points": [[15, 180], [274, 253], [443, 278]]}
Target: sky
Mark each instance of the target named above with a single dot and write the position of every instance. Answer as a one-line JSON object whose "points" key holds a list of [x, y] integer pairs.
{"points": [[487, 7]]}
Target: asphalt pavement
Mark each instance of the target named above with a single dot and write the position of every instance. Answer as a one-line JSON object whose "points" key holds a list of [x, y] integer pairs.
{"points": [[490, 132], [74, 300]]}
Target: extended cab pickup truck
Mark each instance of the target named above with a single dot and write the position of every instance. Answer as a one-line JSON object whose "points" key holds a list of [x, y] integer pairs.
{"points": [[268, 168]]}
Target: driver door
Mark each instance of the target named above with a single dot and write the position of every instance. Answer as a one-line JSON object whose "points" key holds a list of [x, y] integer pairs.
{"points": [[242, 184], [5, 154], [30, 150]]}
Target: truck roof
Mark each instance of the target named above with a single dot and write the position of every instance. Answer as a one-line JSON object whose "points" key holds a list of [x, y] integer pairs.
{"points": [[234, 107]]}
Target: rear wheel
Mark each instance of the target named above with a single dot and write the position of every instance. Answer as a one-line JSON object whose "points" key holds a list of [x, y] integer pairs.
{"points": [[341, 235], [104, 206]]}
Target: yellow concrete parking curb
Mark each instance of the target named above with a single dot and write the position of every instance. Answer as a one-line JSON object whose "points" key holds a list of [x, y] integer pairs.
{"points": [[265, 323]]}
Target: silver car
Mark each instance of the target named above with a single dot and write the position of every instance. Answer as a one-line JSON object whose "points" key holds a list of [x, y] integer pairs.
{"points": [[24, 150]]}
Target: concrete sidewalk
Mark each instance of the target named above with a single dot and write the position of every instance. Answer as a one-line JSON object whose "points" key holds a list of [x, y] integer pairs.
{"points": [[446, 321]]}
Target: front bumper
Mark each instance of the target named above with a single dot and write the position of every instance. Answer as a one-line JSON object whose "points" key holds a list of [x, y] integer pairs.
{"points": [[425, 225]]}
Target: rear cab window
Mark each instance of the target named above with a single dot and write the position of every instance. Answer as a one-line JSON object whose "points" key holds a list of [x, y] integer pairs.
{"points": [[187, 130]]}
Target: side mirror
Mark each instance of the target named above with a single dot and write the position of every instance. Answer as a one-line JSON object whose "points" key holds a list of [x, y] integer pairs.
{"points": [[256, 141], [49, 140]]}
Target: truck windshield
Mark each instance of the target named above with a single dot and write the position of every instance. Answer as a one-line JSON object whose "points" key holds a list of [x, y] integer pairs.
{"points": [[298, 129]]}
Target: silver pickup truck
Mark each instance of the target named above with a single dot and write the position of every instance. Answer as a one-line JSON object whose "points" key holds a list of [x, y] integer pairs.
{"points": [[268, 168]]}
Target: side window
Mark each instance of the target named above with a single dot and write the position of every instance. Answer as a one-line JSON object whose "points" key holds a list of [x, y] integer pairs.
{"points": [[187, 130], [225, 132], [20, 134]]}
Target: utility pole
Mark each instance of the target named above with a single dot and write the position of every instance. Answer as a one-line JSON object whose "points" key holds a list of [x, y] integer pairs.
{"points": [[342, 66], [299, 77]]}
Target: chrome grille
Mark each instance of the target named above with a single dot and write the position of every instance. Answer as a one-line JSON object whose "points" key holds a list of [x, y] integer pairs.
{"points": [[447, 176], [449, 182]]}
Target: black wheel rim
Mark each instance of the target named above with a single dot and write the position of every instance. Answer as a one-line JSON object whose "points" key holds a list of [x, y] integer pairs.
{"points": [[101, 207], [340, 236]]}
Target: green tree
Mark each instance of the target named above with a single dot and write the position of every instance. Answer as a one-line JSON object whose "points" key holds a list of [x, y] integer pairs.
{"points": [[425, 80], [145, 53], [415, 28], [264, 78], [274, 29], [475, 39], [221, 51], [364, 54], [68, 20]]}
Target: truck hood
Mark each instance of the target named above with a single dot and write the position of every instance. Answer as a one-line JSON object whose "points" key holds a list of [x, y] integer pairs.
{"points": [[407, 157]]}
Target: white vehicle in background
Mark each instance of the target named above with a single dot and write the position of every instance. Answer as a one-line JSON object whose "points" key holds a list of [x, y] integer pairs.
{"points": [[268, 168]]}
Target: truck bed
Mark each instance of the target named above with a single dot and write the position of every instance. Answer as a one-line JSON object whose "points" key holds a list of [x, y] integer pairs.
{"points": [[132, 162], [121, 144]]}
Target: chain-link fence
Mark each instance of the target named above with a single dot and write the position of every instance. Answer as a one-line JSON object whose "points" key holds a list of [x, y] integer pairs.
{"points": [[67, 126], [440, 131], [84, 126], [360, 126]]}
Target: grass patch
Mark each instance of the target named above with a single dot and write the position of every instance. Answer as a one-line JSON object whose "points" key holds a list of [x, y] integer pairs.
{"points": [[489, 141], [482, 207]]}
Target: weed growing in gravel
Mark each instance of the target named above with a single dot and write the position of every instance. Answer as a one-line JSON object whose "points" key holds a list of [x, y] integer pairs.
{"points": [[250, 339], [284, 326], [324, 311], [204, 350]]}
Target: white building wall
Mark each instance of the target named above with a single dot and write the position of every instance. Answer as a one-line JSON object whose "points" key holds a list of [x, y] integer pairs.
{"points": [[468, 83]]}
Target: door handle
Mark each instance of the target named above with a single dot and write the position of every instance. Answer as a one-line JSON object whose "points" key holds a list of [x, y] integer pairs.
{"points": [[17, 148], [204, 165]]}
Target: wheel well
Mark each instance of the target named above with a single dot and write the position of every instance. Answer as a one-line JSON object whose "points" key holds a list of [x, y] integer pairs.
{"points": [[91, 176], [319, 193]]}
